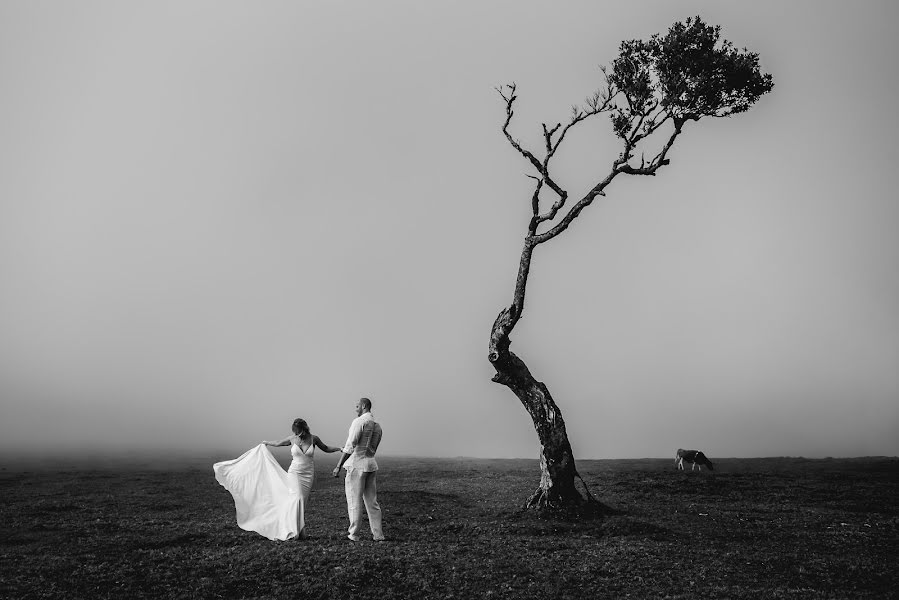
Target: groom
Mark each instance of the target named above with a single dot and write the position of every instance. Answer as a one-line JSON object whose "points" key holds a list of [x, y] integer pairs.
{"points": [[361, 471]]}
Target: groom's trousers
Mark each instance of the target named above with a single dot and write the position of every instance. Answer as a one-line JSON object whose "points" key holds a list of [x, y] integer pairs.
{"points": [[362, 490]]}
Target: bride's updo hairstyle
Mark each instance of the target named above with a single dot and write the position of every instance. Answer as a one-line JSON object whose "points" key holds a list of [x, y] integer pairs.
{"points": [[300, 428]]}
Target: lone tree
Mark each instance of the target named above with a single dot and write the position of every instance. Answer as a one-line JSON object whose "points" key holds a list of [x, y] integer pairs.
{"points": [[652, 90]]}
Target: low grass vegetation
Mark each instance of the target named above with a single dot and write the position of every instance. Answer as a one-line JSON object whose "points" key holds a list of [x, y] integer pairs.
{"points": [[761, 528]]}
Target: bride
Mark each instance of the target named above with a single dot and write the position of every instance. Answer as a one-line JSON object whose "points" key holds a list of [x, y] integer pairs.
{"points": [[269, 500]]}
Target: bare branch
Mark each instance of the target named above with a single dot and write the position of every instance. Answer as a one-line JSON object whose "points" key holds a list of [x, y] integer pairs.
{"points": [[541, 168], [548, 136], [600, 101], [535, 205], [551, 214], [571, 215], [618, 166], [659, 160], [510, 100]]}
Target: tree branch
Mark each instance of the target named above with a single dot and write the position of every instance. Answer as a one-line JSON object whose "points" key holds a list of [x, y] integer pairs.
{"points": [[541, 167], [598, 190], [618, 166], [599, 102], [659, 160], [643, 124], [535, 206], [551, 213], [510, 100]]}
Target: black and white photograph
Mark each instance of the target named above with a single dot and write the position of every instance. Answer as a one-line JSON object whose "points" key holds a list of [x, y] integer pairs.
{"points": [[449, 300]]}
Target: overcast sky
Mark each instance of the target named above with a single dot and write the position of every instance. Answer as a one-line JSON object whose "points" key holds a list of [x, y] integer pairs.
{"points": [[218, 216]]}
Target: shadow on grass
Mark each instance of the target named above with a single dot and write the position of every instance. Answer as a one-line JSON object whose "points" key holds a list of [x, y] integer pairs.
{"points": [[591, 520], [419, 514]]}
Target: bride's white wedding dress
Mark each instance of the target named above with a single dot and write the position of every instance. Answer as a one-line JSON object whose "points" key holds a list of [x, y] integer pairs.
{"points": [[268, 499]]}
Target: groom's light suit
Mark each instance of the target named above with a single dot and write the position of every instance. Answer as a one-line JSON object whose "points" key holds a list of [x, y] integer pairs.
{"points": [[361, 474]]}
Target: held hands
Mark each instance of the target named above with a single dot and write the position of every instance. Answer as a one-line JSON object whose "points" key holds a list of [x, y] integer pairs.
{"points": [[335, 472]]}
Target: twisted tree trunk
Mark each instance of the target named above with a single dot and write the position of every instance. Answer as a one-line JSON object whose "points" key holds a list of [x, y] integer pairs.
{"points": [[557, 468]]}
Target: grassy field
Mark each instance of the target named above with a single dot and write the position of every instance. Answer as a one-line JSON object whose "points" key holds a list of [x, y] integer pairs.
{"points": [[761, 528]]}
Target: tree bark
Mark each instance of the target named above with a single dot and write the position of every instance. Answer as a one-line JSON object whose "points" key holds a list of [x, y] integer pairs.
{"points": [[557, 467]]}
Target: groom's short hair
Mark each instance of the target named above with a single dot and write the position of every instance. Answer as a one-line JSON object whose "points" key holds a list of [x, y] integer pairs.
{"points": [[366, 403]]}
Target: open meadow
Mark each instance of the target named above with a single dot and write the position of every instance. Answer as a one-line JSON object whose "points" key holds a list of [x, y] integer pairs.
{"points": [[753, 528]]}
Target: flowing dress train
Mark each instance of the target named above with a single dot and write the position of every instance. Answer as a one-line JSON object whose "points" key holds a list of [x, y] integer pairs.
{"points": [[268, 499]]}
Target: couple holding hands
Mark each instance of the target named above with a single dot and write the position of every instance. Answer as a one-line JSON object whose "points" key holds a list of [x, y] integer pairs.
{"points": [[272, 502]]}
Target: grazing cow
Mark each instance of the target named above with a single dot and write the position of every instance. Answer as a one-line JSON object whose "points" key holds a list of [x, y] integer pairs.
{"points": [[695, 457]]}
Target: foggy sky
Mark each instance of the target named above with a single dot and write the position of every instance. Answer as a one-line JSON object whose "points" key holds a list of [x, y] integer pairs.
{"points": [[218, 216]]}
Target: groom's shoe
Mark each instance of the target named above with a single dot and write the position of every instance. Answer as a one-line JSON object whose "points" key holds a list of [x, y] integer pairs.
{"points": [[352, 538]]}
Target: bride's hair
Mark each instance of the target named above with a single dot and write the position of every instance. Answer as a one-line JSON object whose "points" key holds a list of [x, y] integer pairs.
{"points": [[300, 427]]}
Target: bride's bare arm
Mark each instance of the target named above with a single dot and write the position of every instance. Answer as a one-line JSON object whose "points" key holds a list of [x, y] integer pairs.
{"points": [[284, 442], [324, 447]]}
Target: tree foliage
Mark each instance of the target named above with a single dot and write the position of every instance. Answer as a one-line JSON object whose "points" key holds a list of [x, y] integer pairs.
{"points": [[687, 74]]}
